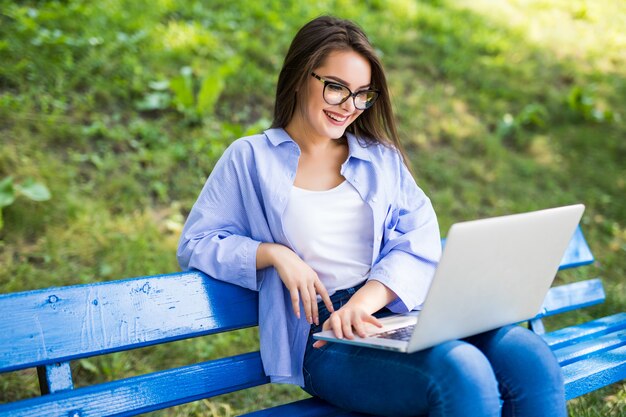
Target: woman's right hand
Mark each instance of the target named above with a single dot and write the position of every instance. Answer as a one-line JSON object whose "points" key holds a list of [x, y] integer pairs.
{"points": [[299, 278]]}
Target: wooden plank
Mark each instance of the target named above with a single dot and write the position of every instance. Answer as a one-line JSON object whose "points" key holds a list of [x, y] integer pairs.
{"points": [[585, 331], [65, 323], [579, 351], [594, 372], [147, 393], [578, 252], [571, 297]]}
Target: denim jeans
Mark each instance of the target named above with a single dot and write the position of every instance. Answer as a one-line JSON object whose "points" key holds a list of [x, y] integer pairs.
{"points": [[505, 372]]}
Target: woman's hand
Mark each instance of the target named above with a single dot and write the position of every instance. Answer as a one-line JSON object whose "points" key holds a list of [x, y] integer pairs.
{"points": [[299, 278], [348, 320], [356, 314]]}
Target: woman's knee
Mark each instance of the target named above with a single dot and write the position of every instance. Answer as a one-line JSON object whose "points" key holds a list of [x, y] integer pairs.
{"points": [[515, 350], [459, 366], [461, 379]]}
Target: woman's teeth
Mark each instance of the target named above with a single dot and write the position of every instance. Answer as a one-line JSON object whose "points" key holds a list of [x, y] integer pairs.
{"points": [[335, 117]]}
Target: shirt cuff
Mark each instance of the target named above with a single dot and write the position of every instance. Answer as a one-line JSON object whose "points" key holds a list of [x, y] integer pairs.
{"points": [[248, 274], [408, 277]]}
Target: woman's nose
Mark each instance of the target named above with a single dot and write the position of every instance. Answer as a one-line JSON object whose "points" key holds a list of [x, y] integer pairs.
{"points": [[348, 105]]}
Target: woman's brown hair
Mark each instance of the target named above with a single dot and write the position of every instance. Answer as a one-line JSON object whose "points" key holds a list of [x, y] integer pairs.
{"points": [[308, 50]]}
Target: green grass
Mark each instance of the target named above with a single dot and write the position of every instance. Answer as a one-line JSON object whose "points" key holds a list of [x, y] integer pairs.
{"points": [[122, 107]]}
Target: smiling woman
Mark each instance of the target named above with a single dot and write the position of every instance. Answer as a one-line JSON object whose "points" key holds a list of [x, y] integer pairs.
{"points": [[321, 215]]}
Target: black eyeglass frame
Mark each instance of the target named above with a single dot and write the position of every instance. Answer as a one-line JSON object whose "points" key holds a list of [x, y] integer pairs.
{"points": [[351, 94]]}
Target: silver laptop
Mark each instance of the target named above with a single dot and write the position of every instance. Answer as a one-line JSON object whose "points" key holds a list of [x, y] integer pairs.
{"points": [[492, 272]]}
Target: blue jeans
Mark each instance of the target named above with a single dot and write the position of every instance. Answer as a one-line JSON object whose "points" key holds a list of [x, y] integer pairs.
{"points": [[505, 372]]}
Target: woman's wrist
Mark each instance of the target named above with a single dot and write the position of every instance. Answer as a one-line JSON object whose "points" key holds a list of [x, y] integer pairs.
{"points": [[266, 255], [373, 296]]}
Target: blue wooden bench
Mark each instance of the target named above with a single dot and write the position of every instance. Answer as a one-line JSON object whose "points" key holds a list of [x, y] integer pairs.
{"points": [[47, 329]]}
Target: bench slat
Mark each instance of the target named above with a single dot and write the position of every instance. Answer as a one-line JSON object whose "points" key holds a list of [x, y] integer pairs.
{"points": [[579, 351], [65, 323], [146, 393], [595, 372], [572, 296], [577, 253], [585, 331]]}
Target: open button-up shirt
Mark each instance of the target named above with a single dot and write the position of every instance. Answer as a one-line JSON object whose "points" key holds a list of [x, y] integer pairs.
{"points": [[241, 206]]}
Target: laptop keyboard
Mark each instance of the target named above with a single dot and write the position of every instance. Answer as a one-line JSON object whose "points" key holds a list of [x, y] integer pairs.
{"points": [[403, 333]]}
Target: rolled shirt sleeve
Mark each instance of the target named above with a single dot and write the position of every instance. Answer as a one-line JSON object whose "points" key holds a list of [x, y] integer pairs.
{"points": [[215, 238], [411, 246]]}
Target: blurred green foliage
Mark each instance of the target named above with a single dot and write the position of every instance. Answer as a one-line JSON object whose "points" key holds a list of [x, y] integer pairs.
{"points": [[10, 190], [121, 108]]}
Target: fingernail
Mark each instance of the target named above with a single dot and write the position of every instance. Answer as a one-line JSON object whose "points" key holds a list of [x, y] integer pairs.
{"points": [[309, 319], [317, 321]]}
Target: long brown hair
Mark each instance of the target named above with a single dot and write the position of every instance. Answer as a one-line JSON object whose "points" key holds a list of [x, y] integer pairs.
{"points": [[308, 50]]}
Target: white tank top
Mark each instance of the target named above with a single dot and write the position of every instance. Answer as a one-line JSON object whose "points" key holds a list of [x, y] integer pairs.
{"points": [[332, 232]]}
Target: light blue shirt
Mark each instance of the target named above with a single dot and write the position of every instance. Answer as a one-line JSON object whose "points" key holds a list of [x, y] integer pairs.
{"points": [[242, 204]]}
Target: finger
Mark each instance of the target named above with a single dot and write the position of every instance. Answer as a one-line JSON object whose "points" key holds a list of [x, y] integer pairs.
{"points": [[306, 302], [314, 310], [319, 344], [326, 325], [295, 301], [346, 326], [373, 320], [359, 328], [335, 324], [321, 290]]}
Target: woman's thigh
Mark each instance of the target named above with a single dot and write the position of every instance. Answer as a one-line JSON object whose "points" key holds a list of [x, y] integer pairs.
{"points": [[451, 379]]}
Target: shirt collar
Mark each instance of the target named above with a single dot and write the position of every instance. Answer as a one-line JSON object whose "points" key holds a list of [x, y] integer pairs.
{"points": [[356, 149], [277, 136]]}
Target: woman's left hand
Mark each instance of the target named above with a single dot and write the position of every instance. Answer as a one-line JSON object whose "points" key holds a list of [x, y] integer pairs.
{"points": [[347, 321]]}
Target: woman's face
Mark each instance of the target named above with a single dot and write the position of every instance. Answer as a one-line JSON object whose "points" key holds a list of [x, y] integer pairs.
{"points": [[324, 120]]}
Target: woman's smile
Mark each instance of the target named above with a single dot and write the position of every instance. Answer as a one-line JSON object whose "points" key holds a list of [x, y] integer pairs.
{"points": [[336, 118]]}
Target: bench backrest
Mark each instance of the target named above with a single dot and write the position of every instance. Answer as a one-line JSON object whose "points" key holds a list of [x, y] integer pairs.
{"points": [[65, 323], [50, 327]]}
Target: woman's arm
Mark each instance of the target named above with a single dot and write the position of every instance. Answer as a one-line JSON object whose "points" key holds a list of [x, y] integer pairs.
{"points": [[299, 278], [217, 237]]}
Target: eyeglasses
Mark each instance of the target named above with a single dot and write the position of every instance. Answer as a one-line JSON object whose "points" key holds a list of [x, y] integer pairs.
{"points": [[335, 93]]}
